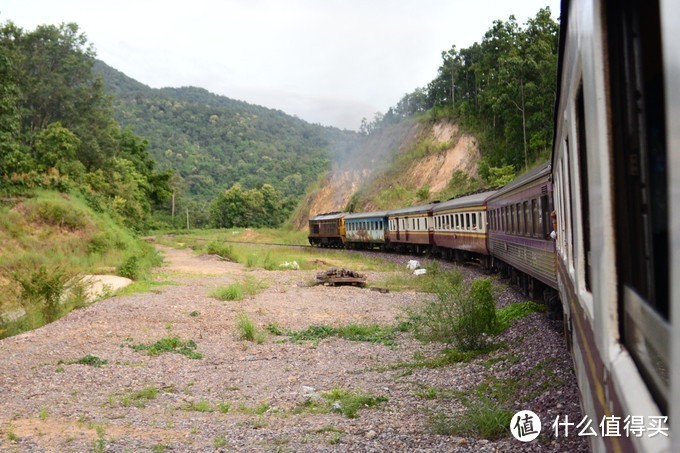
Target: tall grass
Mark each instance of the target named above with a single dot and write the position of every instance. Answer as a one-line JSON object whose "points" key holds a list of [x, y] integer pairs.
{"points": [[50, 239]]}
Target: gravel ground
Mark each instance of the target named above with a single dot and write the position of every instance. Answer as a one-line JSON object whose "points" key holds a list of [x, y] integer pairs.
{"points": [[245, 396]]}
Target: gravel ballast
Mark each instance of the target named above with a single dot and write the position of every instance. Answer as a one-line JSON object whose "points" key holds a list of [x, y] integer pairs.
{"points": [[245, 396]]}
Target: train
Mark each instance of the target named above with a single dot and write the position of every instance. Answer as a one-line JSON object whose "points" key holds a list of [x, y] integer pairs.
{"points": [[596, 229]]}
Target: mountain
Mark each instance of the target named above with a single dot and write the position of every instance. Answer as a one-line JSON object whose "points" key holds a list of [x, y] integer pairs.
{"points": [[212, 142]]}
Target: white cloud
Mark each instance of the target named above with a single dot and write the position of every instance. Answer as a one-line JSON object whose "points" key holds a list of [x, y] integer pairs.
{"points": [[330, 62]]}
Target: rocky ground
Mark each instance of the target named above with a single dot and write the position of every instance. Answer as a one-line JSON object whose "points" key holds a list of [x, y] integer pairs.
{"points": [[274, 395]]}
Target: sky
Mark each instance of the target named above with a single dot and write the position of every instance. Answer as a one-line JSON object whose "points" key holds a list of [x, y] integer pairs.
{"points": [[331, 62]]}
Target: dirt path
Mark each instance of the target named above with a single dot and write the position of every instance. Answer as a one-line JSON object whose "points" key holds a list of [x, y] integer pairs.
{"points": [[242, 395]]}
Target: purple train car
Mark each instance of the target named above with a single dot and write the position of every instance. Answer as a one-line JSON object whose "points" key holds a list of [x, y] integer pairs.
{"points": [[519, 232]]}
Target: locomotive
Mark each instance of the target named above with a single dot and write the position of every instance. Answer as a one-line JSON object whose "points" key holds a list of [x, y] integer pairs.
{"points": [[596, 228]]}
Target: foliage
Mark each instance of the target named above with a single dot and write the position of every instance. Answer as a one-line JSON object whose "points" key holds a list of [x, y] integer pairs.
{"points": [[231, 292], [348, 402], [511, 313], [463, 315], [169, 344], [212, 143], [501, 89], [247, 329], [58, 130]]}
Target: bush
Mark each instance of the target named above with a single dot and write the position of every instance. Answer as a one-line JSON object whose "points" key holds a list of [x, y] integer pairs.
{"points": [[42, 290], [463, 315], [222, 250]]}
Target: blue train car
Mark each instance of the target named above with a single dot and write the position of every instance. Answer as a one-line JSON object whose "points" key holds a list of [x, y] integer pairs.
{"points": [[366, 230]]}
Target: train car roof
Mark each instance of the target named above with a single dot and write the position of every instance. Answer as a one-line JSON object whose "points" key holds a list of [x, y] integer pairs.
{"points": [[476, 199], [412, 209], [330, 216], [366, 215], [536, 173]]}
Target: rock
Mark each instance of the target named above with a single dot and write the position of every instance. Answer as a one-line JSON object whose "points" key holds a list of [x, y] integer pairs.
{"points": [[371, 434]]}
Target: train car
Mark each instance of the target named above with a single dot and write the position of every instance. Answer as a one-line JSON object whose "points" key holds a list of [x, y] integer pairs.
{"points": [[411, 229], [519, 237], [460, 228], [327, 230], [616, 173], [366, 230]]}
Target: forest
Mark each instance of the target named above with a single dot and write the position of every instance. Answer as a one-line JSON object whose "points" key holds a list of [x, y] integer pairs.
{"points": [[149, 156], [57, 129], [212, 142], [502, 90]]}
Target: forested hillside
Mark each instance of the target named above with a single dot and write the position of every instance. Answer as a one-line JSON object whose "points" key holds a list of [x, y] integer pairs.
{"points": [[57, 130], [495, 99], [502, 90], [212, 143]]}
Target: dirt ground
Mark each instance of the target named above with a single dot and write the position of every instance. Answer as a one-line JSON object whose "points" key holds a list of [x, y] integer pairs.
{"points": [[245, 396]]}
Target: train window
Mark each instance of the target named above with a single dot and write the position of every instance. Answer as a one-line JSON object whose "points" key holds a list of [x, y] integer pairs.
{"points": [[473, 216], [535, 219], [583, 174], [640, 176]]}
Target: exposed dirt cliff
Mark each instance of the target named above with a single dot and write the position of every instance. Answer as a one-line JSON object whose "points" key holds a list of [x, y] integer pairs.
{"points": [[398, 166]]}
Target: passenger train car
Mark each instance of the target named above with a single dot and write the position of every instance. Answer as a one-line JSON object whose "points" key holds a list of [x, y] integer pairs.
{"points": [[366, 230], [519, 232], [598, 227], [411, 229], [616, 184], [460, 228]]}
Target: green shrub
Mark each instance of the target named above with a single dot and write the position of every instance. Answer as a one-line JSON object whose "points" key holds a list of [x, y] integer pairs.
{"points": [[42, 290], [247, 329], [170, 344], [348, 402], [462, 315], [225, 251], [231, 292]]}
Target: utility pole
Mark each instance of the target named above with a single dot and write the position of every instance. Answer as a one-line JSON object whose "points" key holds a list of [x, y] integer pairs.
{"points": [[173, 209], [187, 218]]}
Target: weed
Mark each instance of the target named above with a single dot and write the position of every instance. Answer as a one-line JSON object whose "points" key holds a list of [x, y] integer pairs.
{"points": [[194, 314], [510, 313], [91, 360], [43, 414], [160, 448], [484, 418], [224, 408], [170, 344], [220, 441], [231, 292], [348, 402], [222, 250], [274, 329], [247, 330], [139, 398], [199, 406], [12, 436], [463, 315], [42, 289], [353, 332]]}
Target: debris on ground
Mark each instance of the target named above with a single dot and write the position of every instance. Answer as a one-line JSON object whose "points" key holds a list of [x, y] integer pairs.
{"points": [[413, 265], [292, 265], [333, 277]]}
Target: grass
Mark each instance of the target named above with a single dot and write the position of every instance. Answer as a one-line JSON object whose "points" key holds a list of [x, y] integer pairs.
{"points": [[48, 235], [348, 402], [237, 291], [139, 398], [256, 254], [247, 329], [91, 360], [513, 312], [353, 332], [169, 344]]}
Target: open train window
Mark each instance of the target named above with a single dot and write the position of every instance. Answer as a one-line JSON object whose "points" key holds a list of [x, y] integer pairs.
{"points": [[640, 176], [583, 177]]}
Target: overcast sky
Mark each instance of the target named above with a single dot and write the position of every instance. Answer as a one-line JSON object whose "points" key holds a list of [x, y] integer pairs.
{"points": [[331, 62]]}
